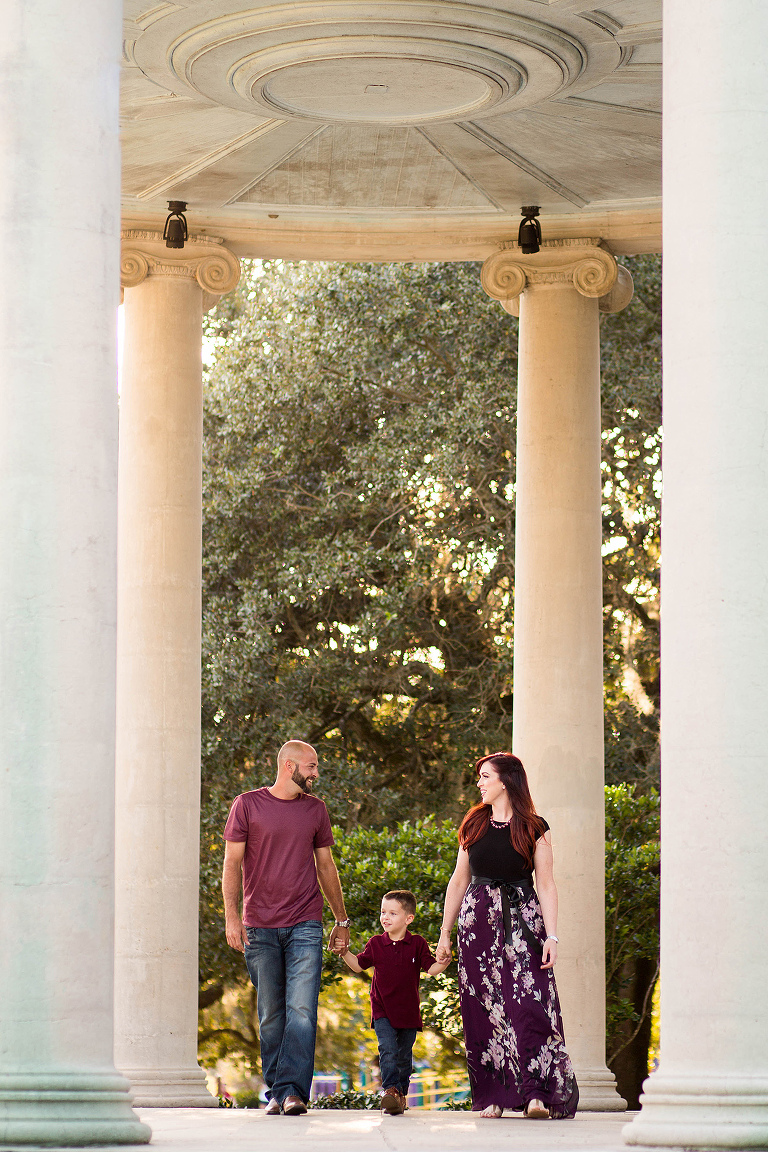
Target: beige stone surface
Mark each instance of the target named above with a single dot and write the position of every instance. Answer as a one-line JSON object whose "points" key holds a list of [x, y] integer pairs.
{"points": [[158, 664], [711, 1087], [190, 1130], [59, 254], [357, 120], [625, 228], [558, 655]]}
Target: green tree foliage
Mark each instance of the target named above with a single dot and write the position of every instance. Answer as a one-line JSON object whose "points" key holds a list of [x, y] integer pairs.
{"points": [[419, 855], [358, 532], [228, 1028], [631, 413], [632, 860], [358, 543], [345, 1039]]}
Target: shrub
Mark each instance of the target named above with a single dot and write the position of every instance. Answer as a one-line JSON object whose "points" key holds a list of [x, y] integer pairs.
{"points": [[247, 1099], [348, 1099], [454, 1105], [632, 860]]}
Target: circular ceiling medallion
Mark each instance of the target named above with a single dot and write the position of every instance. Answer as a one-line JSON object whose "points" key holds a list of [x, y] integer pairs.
{"points": [[372, 62], [399, 81], [394, 90]]}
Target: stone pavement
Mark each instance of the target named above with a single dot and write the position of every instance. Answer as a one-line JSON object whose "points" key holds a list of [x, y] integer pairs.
{"points": [[248, 1130]]}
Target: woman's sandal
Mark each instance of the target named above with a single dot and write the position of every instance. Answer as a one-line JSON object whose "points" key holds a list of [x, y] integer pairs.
{"points": [[535, 1110]]}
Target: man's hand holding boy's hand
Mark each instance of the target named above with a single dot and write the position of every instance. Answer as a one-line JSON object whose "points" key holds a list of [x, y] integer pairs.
{"points": [[339, 940]]}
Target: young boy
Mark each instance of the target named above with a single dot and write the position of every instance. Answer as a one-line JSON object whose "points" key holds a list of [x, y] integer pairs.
{"points": [[398, 958]]}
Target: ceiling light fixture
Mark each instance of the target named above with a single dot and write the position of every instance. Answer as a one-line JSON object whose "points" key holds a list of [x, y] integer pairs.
{"points": [[529, 233], [175, 231]]}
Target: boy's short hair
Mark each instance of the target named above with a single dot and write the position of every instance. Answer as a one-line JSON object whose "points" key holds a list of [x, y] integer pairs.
{"points": [[405, 899]]}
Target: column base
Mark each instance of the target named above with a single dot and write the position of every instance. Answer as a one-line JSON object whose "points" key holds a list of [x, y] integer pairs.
{"points": [[597, 1091], [169, 1088], [701, 1112], [67, 1109]]}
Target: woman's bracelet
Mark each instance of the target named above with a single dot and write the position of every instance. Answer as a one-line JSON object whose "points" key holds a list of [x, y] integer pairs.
{"points": [[551, 937]]}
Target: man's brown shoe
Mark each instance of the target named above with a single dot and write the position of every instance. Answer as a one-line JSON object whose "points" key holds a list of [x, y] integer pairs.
{"points": [[273, 1108], [392, 1102], [294, 1106]]}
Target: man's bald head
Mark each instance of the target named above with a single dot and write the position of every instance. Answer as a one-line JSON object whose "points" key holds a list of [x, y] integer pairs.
{"points": [[296, 767], [296, 751]]}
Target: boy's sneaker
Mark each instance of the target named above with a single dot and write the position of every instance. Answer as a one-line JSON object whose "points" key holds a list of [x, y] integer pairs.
{"points": [[392, 1102]]}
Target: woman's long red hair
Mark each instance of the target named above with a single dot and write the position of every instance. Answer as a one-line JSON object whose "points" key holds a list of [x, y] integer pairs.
{"points": [[525, 827]]}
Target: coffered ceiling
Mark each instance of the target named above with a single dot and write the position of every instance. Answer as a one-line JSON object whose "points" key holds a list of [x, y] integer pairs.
{"points": [[393, 128]]}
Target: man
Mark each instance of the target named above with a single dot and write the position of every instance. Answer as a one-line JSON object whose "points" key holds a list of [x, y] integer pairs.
{"points": [[278, 847]]}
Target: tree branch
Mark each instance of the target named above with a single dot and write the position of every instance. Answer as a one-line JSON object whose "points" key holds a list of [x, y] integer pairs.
{"points": [[208, 996], [643, 1016]]}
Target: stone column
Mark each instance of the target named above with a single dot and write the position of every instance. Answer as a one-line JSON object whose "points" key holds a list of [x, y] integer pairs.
{"points": [[711, 1086], [558, 658], [158, 680], [59, 225]]}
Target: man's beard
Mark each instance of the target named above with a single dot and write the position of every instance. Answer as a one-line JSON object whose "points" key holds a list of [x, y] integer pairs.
{"points": [[304, 782]]}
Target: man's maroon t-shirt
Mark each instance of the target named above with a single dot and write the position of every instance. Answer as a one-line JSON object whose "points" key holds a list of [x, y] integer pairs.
{"points": [[397, 965], [280, 885]]}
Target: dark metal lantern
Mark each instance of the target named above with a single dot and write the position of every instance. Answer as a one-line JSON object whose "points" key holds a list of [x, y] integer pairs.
{"points": [[175, 231], [529, 233]]}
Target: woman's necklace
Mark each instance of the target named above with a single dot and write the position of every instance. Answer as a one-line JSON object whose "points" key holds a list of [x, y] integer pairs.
{"points": [[499, 823]]}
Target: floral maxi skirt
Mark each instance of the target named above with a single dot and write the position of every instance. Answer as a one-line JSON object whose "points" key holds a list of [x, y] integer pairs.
{"points": [[513, 1029]]}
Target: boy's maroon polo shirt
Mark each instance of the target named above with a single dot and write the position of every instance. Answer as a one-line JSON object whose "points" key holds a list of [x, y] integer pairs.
{"points": [[397, 965]]}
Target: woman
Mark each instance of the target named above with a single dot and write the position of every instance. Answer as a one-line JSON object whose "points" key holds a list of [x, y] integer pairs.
{"points": [[507, 948]]}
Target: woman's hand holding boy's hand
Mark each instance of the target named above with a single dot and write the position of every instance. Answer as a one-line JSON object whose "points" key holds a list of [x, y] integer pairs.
{"points": [[444, 953], [438, 967]]}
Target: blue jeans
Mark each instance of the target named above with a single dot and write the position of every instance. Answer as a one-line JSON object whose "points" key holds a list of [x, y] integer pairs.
{"points": [[395, 1054], [284, 965]]}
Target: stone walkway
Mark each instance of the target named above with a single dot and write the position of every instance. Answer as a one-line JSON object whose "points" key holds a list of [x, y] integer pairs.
{"points": [[243, 1130]]}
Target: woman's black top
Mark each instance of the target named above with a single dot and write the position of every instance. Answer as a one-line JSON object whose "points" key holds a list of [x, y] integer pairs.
{"points": [[493, 856]]}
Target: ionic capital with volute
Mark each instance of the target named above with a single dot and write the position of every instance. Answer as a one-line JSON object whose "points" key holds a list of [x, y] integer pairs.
{"points": [[583, 263], [203, 258]]}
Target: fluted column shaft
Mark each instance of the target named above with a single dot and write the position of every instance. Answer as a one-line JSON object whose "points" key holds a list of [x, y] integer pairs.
{"points": [[711, 1086], [158, 687], [59, 249], [558, 656]]}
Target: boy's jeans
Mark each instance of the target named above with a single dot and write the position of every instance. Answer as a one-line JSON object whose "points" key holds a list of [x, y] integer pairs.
{"points": [[284, 965], [395, 1054]]}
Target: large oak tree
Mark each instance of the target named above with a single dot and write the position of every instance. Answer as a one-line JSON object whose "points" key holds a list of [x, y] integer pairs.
{"points": [[359, 541]]}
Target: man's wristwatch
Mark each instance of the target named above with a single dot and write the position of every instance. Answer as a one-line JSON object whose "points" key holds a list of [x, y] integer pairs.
{"points": [[343, 923]]}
